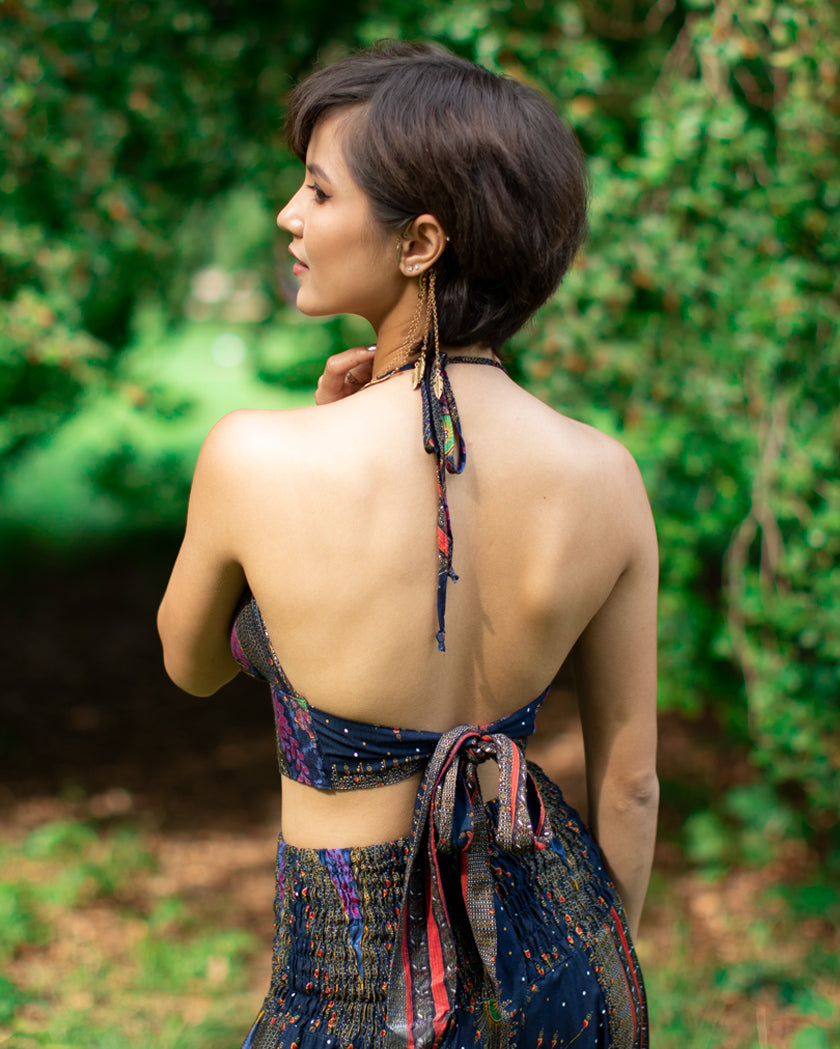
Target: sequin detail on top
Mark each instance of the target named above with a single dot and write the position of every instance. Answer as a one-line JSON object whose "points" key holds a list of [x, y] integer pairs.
{"points": [[335, 753]]}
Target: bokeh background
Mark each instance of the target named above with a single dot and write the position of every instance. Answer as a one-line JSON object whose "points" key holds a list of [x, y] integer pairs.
{"points": [[144, 292]]}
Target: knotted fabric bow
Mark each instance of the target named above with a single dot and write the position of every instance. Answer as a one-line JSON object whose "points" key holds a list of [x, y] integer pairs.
{"points": [[450, 818]]}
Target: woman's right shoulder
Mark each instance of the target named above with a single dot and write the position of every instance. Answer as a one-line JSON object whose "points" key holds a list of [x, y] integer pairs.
{"points": [[576, 447]]}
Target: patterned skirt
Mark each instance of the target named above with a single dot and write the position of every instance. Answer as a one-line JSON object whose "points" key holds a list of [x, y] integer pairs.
{"points": [[564, 965]]}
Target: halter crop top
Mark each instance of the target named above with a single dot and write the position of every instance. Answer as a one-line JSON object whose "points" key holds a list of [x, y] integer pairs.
{"points": [[335, 753]]}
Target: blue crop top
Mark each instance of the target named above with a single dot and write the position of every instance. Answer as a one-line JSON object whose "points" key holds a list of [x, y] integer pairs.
{"points": [[335, 753]]}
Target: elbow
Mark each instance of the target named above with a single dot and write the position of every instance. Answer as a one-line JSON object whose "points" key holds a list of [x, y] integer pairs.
{"points": [[188, 681], [638, 794], [196, 676], [645, 791], [642, 792], [189, 674], [179, 673]]}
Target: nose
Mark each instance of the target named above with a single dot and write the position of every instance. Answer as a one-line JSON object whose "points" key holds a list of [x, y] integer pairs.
{"points": [[289, 218]]}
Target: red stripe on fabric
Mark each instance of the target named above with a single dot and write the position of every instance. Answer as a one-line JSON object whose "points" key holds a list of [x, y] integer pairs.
{"points": [[541, 820], [626, 946], [437, 969], [443, 541]]}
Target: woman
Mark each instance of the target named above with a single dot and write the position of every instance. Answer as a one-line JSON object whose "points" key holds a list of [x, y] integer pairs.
{"points": [[443, 204]]}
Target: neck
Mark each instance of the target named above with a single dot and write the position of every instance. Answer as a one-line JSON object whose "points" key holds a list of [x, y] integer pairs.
{"points": [[389, 357]]}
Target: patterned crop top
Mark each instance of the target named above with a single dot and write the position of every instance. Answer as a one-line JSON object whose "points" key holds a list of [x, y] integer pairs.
{"points": [[334, 753]]}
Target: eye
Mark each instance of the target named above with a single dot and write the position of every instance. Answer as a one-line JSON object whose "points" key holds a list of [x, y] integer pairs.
{"points": [[320, 195]]}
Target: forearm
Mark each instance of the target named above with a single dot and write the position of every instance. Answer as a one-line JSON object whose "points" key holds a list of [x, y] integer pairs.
{"points": [[624, 823], [198, 664]]}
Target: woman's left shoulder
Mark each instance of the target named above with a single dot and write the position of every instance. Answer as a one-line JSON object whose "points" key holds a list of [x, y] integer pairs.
{"points": [[247, 435]]}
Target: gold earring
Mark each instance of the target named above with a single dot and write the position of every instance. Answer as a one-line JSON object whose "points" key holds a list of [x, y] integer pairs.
{"points": [[431, 329], [427, 309], [414, 335]]}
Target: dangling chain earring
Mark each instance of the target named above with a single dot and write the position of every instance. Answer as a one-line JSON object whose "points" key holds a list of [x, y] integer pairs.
{"points": [[427, 307], [424, 317], [418, 321], [431, 329]]}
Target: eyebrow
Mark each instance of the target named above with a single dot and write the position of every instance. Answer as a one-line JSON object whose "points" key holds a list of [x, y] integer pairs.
{"points": [[318, 172]]}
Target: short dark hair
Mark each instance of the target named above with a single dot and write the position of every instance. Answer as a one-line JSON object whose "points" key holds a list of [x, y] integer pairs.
{"points": [[485, 154]]}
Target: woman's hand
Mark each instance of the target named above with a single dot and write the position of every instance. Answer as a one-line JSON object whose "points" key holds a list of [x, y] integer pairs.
{"points": [[345, 373]]}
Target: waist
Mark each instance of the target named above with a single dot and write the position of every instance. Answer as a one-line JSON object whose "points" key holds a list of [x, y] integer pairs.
{"points": [[313, 818]]}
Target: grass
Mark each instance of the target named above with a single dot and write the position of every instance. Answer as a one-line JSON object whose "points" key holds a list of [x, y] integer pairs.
{"points": [[734, 963], [95, 952]]}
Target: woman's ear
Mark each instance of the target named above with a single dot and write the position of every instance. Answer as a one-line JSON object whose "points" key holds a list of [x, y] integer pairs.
{"points": [[422, 243]]}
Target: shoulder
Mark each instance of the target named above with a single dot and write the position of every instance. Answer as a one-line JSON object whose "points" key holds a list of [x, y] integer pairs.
{"points": [[244, 438], [610, 476], [580, 452], [249, 429], [591, 475]]}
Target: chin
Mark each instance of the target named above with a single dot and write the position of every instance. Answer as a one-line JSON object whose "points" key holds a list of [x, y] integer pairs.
{"points": [[319, 309], [316, 311]]}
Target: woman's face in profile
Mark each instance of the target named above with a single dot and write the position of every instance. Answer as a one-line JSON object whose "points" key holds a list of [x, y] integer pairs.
{"points": [[345, 261]]}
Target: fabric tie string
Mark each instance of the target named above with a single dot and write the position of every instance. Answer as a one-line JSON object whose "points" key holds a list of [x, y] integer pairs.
{"points": [[442, 438], [450, 820]]}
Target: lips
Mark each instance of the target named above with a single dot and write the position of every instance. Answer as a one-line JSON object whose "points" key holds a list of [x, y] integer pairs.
{"points": [[299, 267]]}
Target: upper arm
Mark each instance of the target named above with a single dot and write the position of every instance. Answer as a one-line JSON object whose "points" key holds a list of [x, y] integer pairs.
{"points": [[207, 581], [615, 656]]}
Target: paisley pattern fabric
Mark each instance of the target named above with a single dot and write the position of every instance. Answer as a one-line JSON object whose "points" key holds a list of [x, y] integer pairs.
{"points": [[564, 971]]}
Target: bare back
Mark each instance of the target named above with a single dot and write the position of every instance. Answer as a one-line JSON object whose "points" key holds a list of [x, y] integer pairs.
{"points": [[333, 520], [338, 545]]}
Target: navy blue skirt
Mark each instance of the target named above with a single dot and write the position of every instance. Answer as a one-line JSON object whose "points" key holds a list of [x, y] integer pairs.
{"points": [[565, 971]]}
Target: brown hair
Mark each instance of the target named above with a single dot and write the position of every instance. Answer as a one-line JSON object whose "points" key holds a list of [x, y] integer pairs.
{"points": [[485, 154]]}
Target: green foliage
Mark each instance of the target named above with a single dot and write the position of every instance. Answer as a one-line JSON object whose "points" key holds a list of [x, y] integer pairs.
{"points": [[814, 1038], [20, 924], [701, 325], [60, 839], [10, 1000], [752, 827], [121, 121], [161, 967]]}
